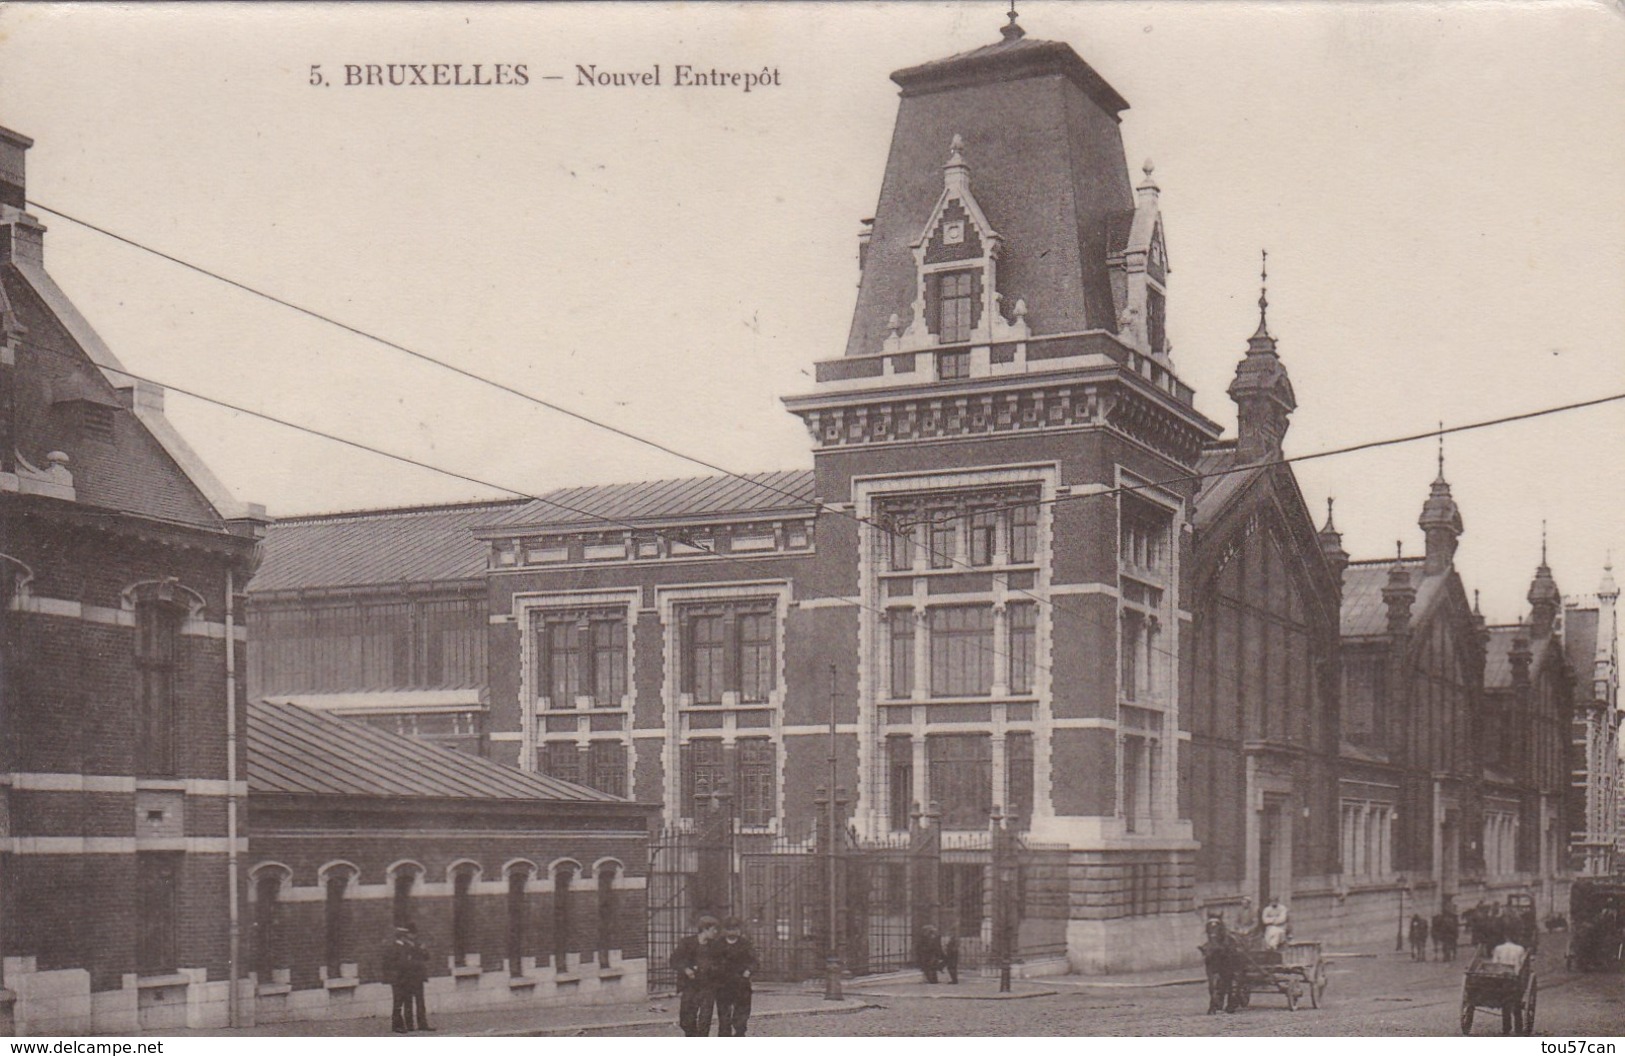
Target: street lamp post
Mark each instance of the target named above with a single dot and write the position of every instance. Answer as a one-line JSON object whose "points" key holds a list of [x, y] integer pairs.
{"points": [[1399, 927], [832, 956]]}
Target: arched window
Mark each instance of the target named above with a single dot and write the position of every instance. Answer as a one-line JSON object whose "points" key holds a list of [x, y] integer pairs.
{"points": [[269, 953], [157, 632], [463, 938], [518, 876], [339, 937], [563, 874], [403, 878], [607, 872]]}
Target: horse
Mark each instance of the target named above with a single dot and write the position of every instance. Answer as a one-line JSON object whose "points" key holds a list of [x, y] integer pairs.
{"points": [[1221, 958]]}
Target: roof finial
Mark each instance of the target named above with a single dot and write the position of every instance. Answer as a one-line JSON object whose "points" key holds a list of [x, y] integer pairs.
{"points": [[1543, 542], [1475, 603], [1012, 31], [1263, 332], [1399, 552], [1441, 450], [1329, 525]]}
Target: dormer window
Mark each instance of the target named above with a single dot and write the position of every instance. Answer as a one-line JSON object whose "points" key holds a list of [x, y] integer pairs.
{"points": [[956, 296]]}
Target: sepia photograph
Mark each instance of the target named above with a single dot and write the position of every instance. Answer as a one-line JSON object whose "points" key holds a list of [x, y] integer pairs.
{"points": [[884, 519]]}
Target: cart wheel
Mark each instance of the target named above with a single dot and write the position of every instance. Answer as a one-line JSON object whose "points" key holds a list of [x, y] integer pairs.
{"points": [[1466, 1015], [1317, 988], [1508, 1013], [1529, 1008]]}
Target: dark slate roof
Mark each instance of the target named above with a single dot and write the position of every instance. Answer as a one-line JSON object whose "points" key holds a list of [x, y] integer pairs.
{"points": [[375, 547], [1363, 610], [1019, 57], [299, 751], [664, 500], [1497, 657], [1215, 493], [1044, 152], [1580, 643], [133, 474]]}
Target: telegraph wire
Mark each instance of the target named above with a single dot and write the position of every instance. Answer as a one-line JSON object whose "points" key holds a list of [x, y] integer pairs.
{"points": [[894, 529]]}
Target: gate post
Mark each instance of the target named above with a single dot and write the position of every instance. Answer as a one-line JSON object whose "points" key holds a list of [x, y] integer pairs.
{"points": [[925, 868], [715, 894], [1004, 890]]}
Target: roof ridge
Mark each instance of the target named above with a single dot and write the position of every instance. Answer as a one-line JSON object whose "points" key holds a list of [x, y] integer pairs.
{"points": [[380, 511], [678, 480]]}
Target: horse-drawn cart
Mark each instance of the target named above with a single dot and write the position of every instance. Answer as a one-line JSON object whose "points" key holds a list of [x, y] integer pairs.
{"points": [[1295, 970], [1504, 988]]}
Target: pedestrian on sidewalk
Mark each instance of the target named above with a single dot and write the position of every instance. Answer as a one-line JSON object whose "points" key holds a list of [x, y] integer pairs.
{"points": [[1447, 930], [694, 962], [735, 963], [928, 952], [417, 975], [1419, 937], [950, 958], [396, 967]]}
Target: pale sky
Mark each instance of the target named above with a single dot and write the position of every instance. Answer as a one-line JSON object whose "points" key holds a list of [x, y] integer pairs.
{"points": [[1439, 187]]}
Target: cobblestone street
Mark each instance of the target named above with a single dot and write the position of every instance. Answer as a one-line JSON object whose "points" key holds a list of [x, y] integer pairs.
{"points": [[1383, 995]]}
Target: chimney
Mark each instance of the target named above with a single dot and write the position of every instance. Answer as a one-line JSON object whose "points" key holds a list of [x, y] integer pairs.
{"points": [[22, 238]]}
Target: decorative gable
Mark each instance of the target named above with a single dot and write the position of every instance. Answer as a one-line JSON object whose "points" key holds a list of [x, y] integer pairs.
{"points": [[956, 292], [1139, 267]]}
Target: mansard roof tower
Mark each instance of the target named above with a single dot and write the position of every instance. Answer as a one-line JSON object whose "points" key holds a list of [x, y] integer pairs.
{"points": [[1006, 372]]}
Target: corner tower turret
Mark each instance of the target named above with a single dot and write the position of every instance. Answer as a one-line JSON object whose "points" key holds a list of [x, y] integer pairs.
{"points": [[1440, 523]]}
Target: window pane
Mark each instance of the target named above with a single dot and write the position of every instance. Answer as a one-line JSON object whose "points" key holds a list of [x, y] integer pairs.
{"points": [[962, 651], [1023, 620], [705, 661], [902, 546], [943, 525], [606, 767], [757, 765], [757, 670], [961, 778], [608, 662], [902, 653], [1023, 534], [1018, 767], [562, 759], [983, 536], [900, 778], [704, 772]]}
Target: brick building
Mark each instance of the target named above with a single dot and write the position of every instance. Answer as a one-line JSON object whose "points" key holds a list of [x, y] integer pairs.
{"points": [[120, 697], [527, 890], [378, 616], [1591, 640]]}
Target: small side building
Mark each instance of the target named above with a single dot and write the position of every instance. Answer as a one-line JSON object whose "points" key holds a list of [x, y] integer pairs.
{"points": [[526, 889]]}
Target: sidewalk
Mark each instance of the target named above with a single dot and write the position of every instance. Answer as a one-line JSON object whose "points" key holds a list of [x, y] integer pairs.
{"points": [[539, 1022]]}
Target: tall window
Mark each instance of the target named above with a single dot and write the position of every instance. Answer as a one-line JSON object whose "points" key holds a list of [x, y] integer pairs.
{"points": [[562, 878], [336, 917], [704, 772], [1143, 538], [1023, 533], [401, 908], [582, 654], [961, 778], [268, 953], [1155, 322], [954, 293], [758, 770], [606, 767], [1133, 650], [606, 913], [157, 630], [562, 759], [1018, 777], [462, 915], [517, 878], [1023, 620], [962, 651], [158, 889], [944, 526], [900, 781], [901, 543], [729, 648], [984, 534], [900, 625]]}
